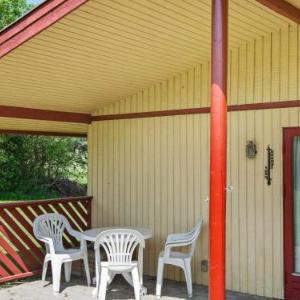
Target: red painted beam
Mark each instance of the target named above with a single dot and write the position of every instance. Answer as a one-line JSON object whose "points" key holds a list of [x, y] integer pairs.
{"points": [[218, 151], [41, 114], [35, 22], [196, 111], [151, 114], [283, 8], [61, 116]]}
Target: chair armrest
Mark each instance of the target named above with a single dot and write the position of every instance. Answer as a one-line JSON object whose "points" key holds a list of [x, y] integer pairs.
{"points": [[49, 242], [75, 233], [78, 235], [178, 244], [179, 238], [170, 246]]}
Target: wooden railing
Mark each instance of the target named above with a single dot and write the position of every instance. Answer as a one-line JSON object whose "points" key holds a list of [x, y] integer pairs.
{"points": [[21, 255]]}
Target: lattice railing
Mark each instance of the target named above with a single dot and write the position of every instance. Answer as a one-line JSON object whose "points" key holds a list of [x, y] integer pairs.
{"points": [[21, 255]]}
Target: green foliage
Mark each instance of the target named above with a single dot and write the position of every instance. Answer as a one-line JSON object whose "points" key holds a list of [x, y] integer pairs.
{"points": [[35, 196], [10, 10], [32, 164]]}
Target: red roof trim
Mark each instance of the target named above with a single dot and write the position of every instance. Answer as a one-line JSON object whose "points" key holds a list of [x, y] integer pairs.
{"points": [[41, 114], [34, 22], [283, 8], [28, 19], [192, 111], [151, 114], [85, 118]]}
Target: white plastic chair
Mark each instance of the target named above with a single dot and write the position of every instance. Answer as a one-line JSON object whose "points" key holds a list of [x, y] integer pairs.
{"points": [[49, 228], [179, 259], [119, 246]]}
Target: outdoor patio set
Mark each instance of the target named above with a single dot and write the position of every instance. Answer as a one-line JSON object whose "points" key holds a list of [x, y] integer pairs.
{"points": [[117, 251]]}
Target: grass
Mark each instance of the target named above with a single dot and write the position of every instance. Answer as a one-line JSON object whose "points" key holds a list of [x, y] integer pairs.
{"points": [[18, 196]]}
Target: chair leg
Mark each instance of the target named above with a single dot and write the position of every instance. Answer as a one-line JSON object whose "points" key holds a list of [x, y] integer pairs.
{"points": [[56, 273], [68, 270], [98, 278], [103, 284], [160, 273], [45, 267], [136, 283], [87, 269], [188, 277]]}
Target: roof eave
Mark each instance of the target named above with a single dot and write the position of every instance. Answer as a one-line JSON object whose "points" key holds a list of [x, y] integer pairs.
{"points": [[34, 22]]}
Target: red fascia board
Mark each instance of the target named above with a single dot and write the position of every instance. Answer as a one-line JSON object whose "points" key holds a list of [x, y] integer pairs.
{"points": [[35, 22], [40, 114], [28, 19], [283, 8]]}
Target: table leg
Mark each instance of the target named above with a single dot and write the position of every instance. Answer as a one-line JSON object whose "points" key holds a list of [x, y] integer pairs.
{"points": [[96, 280], [141, 265]]}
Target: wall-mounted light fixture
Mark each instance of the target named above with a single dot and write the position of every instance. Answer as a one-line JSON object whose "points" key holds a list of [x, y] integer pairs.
{"points": [[251, 150]]}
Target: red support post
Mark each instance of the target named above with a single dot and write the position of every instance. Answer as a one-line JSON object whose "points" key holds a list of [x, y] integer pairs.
{"points": [[218, 150]]}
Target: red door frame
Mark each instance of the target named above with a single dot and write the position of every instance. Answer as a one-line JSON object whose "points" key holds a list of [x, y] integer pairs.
{"points": [[291, 282]]}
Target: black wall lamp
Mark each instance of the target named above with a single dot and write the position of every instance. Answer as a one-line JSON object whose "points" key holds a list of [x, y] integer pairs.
{"points": [[251, 150]]}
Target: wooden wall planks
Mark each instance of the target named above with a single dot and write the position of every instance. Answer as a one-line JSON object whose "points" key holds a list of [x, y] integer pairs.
{"points": [[155, 174], [154, 171]]}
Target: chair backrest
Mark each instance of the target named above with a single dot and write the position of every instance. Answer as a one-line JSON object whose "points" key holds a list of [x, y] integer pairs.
{"points": [[194, 233], [51, 226], [119, 245]]}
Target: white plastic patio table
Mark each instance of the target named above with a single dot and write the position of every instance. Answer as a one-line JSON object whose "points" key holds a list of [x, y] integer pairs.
{"points": [[91, 234]]}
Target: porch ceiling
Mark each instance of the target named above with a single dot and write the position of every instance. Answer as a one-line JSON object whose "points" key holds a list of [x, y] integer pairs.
{"points": [[106, 50]]}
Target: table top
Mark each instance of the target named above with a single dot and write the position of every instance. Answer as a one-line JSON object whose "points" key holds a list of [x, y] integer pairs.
{"points": [[91, 234]]}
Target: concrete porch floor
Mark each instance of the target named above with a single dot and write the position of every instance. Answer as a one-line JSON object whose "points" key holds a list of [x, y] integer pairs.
{"points": [[119, 289]]}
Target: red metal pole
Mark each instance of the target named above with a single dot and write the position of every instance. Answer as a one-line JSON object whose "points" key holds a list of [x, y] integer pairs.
{"points": [[218, 150]]}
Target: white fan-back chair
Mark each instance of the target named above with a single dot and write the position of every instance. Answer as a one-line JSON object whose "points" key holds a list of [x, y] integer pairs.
{"points": [[119, 246], [179, 259], [49, 228]]}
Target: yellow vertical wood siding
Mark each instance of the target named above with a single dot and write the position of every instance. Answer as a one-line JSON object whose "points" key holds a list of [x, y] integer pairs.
{"points": [[154, 172]]}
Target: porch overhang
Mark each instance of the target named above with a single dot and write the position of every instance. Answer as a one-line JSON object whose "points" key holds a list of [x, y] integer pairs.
{"points": [[78, 55], [105, 51]]}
